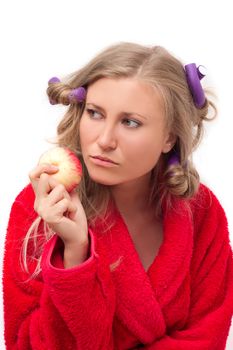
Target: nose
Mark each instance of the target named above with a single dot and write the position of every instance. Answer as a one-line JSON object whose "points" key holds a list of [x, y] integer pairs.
{"points": [[107, 138]]}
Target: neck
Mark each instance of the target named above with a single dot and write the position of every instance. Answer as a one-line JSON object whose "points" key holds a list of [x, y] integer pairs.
{"points": [[132, 197]]}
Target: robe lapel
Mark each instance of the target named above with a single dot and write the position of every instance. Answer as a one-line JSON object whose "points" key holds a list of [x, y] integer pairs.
{"points": [[170, 270], [137, 307], [142, 297]]}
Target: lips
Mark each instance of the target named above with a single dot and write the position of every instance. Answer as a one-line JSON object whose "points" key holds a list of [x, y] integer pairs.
{"points": [[104, 158]]}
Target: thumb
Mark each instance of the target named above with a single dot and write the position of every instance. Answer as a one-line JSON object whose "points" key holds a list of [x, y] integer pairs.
{"points": [[71, 210]]}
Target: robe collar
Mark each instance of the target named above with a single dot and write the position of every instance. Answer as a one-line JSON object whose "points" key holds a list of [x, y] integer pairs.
{"points": [[141, 295]]}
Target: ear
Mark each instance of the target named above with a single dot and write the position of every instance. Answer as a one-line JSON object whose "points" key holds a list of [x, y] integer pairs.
{"points": [[169, 142]]}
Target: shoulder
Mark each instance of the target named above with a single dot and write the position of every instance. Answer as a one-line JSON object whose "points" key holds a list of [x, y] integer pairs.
{"points": [[26, 194], [22, 216], [208, 213], [22, 210], [205, 201], [203, 204], [25, 198]]}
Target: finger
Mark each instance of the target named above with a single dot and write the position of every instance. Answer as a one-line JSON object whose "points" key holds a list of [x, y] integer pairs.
{"points": [[54, 213], [57, 193], [74, 196], [44, 185], [35, 173], [64, 206]]}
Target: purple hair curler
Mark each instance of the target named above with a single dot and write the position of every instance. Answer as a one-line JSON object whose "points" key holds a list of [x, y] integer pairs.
{"points": [[173, 160], [54, 80], [194, 76], [78, 94]]}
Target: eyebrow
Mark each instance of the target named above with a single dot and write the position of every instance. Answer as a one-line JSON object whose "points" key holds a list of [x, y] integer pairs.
{"points": [[127, 113]]}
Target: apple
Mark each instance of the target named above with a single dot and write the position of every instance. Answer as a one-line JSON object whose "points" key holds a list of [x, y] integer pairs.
{"points": [[70, 168]]}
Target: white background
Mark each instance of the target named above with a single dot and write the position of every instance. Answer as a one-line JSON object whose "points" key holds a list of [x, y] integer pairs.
{"points": [[54, 38]]}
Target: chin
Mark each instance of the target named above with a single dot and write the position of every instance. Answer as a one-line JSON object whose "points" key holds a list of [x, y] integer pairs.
{"points": [[104, 179]]}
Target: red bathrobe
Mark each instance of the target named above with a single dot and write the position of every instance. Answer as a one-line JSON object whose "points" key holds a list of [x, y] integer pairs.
{"points": [[184, 301]]}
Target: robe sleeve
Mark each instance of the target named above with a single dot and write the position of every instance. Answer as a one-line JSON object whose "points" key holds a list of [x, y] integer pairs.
{"points": [[62, 308], [211, 305]]}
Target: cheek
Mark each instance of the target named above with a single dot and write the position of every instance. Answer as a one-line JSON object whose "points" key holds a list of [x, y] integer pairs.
{"points": [[81, 130], [144, 147], [144, 152], [85, 132]]}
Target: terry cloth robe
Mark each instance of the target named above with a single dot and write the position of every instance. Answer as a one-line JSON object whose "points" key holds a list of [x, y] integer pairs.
{"points": [[184, 301]]}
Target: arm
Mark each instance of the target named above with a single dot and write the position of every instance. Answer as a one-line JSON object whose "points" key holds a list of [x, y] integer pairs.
{"points": [[211, 287], [62, 308]]}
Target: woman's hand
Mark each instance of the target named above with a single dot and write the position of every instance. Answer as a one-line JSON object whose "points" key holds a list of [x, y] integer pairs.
{"points": [[62, 211]]}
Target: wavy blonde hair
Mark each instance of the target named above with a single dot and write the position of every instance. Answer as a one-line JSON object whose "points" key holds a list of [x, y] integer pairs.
{"points": [[159, 68]]}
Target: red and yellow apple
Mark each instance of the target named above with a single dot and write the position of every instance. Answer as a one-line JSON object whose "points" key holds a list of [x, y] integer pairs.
{"points": [[70, 168]]}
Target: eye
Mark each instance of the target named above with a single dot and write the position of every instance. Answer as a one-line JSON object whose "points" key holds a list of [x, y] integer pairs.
{"points": [[134, 123], [92, 112]]}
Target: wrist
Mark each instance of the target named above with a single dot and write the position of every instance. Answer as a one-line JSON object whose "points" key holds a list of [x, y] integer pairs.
{"points": [[75, 254]]}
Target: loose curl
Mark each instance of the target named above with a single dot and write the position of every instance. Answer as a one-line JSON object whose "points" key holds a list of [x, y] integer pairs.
{"points": [[157, 67]]}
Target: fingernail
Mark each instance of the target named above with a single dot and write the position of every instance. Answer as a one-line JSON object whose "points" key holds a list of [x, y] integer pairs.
{"points": [[54, 167]]}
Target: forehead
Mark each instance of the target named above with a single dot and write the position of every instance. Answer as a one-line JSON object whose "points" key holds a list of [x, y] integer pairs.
{"points": [[126, 94]]}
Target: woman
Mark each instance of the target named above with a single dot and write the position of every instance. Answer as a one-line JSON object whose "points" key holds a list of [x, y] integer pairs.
{"points": [[139, 254]]}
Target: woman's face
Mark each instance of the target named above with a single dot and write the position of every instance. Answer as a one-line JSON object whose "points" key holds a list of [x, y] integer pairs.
{"points": [[124, 121]]}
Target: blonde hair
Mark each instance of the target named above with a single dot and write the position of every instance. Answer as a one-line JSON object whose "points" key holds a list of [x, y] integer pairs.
{"points": [[157, 67]]}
